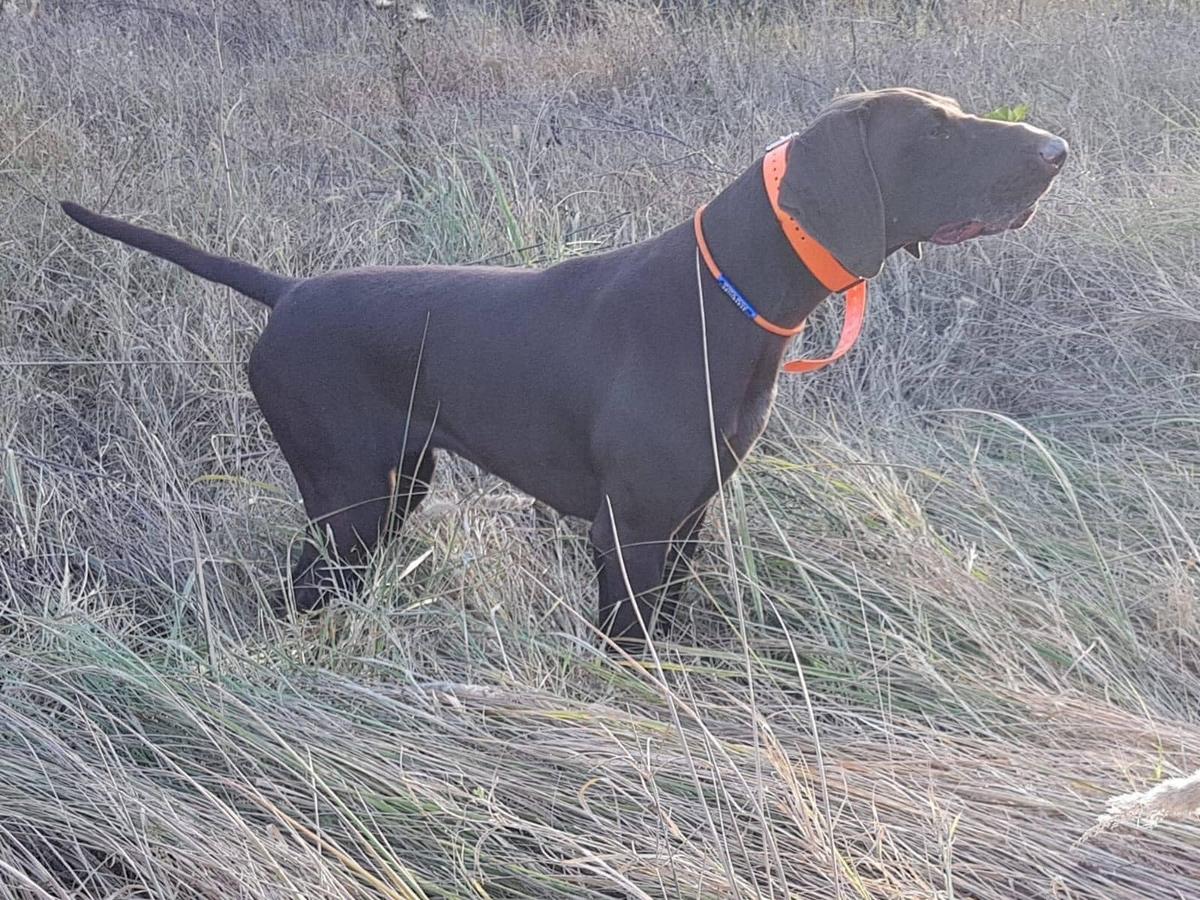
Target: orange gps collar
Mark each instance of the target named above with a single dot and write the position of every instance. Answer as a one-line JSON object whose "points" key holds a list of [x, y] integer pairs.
{"points": [[819, 261]]}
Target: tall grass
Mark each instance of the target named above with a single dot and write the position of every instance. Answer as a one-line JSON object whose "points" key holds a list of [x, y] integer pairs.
{"points": [[946, 611]]}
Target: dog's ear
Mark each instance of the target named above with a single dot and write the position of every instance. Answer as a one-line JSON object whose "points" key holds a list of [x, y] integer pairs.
{"points": [[831, 190]]}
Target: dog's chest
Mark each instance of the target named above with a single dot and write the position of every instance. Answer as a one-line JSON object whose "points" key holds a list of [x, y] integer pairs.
{"points": [[750, 418]]}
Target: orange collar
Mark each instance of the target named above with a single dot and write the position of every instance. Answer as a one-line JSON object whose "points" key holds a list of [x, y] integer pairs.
{"points": [[819, 261], [816, 258]]}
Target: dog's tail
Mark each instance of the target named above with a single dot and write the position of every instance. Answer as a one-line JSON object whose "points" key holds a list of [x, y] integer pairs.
{"points": [[256, 283]]}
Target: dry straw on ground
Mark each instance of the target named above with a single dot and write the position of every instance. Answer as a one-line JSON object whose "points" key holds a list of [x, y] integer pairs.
{"points": [[1176, 798], [947, 611]]}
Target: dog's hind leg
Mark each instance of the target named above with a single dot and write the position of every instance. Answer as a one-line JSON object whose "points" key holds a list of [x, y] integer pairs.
{"points": [[359, 501], [349, 511], [359, 465]]}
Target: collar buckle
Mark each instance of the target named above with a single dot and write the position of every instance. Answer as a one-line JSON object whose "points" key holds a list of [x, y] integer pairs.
{"points": [[781, 140]]}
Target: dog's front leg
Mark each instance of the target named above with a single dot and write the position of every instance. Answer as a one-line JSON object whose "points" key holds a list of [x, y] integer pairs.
{"points": [[630, 566], [684, 544]]}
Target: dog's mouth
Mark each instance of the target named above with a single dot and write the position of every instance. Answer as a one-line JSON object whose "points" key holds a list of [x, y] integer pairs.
{"points": [[957, 232]]}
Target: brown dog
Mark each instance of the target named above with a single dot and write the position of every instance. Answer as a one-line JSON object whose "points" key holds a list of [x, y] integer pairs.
{"points": [[622, 388]]}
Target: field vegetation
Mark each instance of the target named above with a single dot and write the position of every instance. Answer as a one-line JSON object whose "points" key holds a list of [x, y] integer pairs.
{"points": [[946, 611]]}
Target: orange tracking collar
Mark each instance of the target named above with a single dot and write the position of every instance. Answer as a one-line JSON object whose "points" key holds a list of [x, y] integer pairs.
{"points": [[819, 261]]}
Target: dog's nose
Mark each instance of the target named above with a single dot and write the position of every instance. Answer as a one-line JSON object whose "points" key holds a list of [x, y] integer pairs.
{"points": [[1053, 152]]}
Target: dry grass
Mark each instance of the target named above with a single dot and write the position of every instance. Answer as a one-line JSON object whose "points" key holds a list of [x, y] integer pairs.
{"points": [[951, 606], [1176, 798]]}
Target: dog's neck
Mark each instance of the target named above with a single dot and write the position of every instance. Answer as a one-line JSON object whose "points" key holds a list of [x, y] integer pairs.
{"points": [[754, 254]]}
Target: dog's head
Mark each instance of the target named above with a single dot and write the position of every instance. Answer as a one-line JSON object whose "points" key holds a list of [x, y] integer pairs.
{"points": [[887, 169]]}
